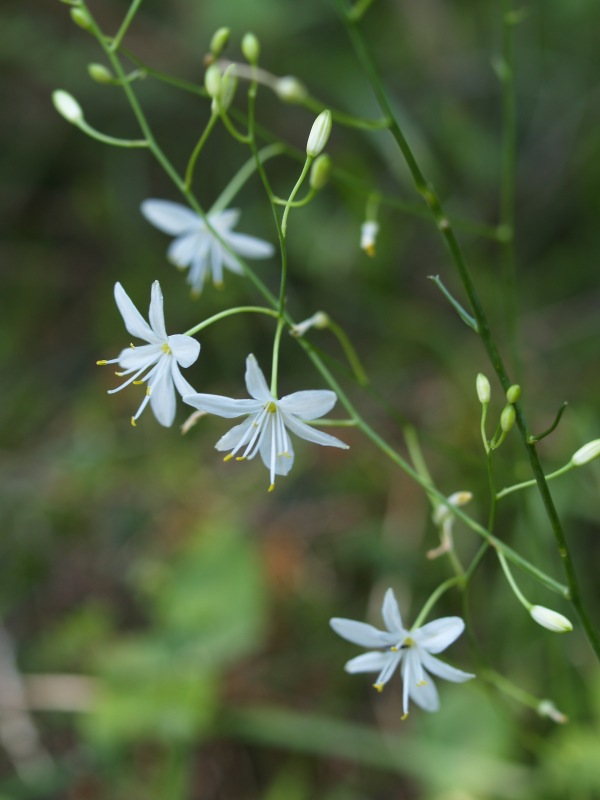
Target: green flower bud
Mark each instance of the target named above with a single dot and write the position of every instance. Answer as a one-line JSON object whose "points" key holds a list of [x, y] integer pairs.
{"points": [[319, 134], [228, 87], [67, 106], [513, 393], [483, 389], [507, 418], [100, 73], [290, 89], [212, 81], [81, 18], [320, 172], [219, 41], [587, 453], [251, 48]]}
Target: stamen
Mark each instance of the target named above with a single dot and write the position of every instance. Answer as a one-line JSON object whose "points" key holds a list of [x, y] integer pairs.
{"points": [[102, 363], [240, 458], [271, 487], [133, 422], [379, 687], [422, 683], [166, 349], [228, 457], [138, 383], [404, 716]]}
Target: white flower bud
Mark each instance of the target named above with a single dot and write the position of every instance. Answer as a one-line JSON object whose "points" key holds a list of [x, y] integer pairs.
{"points": [[212, 80], [219, 41], [228, 87], [318, 320], [483, 389], [319, 134], [250, 48], [457, 499], [507, 418], [81, 18], [100, 73], [587, 453], [67, 106], [368, 235], [550, 619], [513, 393], [290, 89], [546, 708]]}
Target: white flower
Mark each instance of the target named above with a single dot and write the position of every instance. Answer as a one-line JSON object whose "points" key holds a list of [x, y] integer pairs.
{"points": [[157, 362], [410, 650], [368, 236], [197, 247], [550, 619], [269, 419]]}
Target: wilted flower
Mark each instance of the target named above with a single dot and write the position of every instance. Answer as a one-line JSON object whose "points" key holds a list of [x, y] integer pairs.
{"points": [[197, 247], [269, 419], [156, 363], [412, 651]]}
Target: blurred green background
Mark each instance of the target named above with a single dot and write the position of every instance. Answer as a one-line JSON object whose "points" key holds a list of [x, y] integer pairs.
{"points": [[163, 617]]}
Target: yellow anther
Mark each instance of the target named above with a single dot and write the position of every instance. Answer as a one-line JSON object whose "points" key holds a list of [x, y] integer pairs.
{"points": [[271, 487], [408, 642], [133, 422], [148, 391], [166, 349], [138, 383], [404, 716], [378, 686], [240, 458], [119, 374], [369, 250], [102, 363], [228, 457], [394, 648], [272, 408], [132, 345], [422, 683]]}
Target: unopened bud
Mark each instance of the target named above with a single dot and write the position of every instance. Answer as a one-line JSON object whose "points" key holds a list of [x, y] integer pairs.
{"points": [[546, 708], [319, 134], [81, 18], [100, 73], [212, 80], [318, 320], [483, 389], [513, 393], [228, 87], [290, 89], [587, 453], [219, 41], [251, 48], [457, 499], [320, 172], [67, 106], [507, 418], [368, 235], [550, 619]]}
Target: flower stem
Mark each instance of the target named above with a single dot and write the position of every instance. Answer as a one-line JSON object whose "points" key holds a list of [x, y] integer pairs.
{"points": [[228, 313], [189, 172], [434, 597], [294, 192], [132, 11], [526, 484], [242, 175]]}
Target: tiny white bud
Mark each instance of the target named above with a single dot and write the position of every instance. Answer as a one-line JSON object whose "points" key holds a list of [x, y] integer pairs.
{"points": [[67, 106], [587, 453], [319, 134], [290, 89], [212, 80], [457, 499], [550, 619], [368, 235], [251, 48], [81, 18], [546, 708], [228, 87], [483, 389], [318, 320]]}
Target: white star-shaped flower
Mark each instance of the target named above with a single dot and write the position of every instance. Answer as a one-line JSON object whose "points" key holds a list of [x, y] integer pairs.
{"points": [[156, 363], [412, 651], [197, 247], [269, 420]]}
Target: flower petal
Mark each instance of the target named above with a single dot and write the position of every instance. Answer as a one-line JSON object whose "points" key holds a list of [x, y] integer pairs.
{"points": [[231, 262], [223, 221], [156, 313], [282, 462], [361, 633], [183, 387], [132, 358], [185, 349], [135, 324], [367, 662], [249, 246], [391, 614], [222, 406], [183, 250], [162, 394], [311, 434], [309, 404], [255, 381], [393, 659], [235, 435], [169, 217], [437, 635], [443, 670]]}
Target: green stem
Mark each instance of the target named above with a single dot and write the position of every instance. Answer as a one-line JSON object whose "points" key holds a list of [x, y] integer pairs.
{"points": [[297, 203], [275, 359], [509, 577], [112, 140], [349, 352], [228, 313], [133, 8], [435, 596], [242, 175], [294, 192], [526, 484], [189, 173]]}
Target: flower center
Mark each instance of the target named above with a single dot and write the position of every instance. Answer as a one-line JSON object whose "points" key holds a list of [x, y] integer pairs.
{"points": [[271, 407], [408, 642], [166, 349]]}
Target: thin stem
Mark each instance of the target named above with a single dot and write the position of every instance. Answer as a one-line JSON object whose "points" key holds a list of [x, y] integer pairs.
{"points": [[294, 192], [189, 172], [242, 175], [112, 140], [275, 360], [509, 577], [435, 596], [349, 352], [526, 484], [133, 9], [228, 313]]}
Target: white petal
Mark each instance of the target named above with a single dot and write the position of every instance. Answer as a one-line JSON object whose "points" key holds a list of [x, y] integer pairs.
{"points": [[283, 462], [231, 262], [199, 266], [361, 633], [183, 250], [367, 662], [134, 322], [311, 434], [237, 434], [443, 670], [169, 217], [393, 659], [222, 406], [425, 695], [391, 614], [183, 387], [162, 395], [437, 635], [249, 246], [156, 313], [255, 381], [216, 261], [185, 349], [417, 684], [309, 404], [223, 221], [132, 358]]}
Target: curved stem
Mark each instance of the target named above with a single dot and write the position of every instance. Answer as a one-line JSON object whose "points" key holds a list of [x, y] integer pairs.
{"points": [[189, 172], [228, 313]]}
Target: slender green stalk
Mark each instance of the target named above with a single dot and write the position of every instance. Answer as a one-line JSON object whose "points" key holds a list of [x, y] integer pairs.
{"points": [[228, 313], [435, 596], [294, 192], [189, 172], [114, 141], [509, 577], [242, 175], [526, 484], [132, 11]]}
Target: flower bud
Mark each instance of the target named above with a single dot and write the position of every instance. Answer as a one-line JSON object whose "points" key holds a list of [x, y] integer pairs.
{"points": [[67, 106], [587, 453], [81, 18], [483, 389], [513, 393], [100, 73], [368, 235], [456, 499], [219, 41], [320, 172], [319, 134], [550, 619], [290, 89], [228, 87], [318, 320], [507, 418], [212, 80], [546, 708], [251, 48]]}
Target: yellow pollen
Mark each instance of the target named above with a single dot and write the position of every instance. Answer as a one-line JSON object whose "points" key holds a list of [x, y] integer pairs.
{"points": [[272, 408], [404, 716], [271, 487], [166, 348], [370, 250], [138, 383], [240, 458], [102, 363], [148, 390], [378, 686], [132, 345], [408, 642], [133, 422], [228, 457], [285, 454], [422, 683], [394, 648]]}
